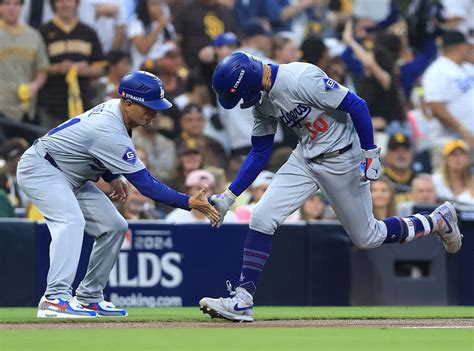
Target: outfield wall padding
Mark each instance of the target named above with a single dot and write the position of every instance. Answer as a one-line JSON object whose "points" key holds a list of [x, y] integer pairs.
{"points": [[310, 264]]}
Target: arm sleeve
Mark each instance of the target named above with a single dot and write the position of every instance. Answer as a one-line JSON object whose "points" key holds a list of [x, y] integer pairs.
{"points": [[353, 64], [253, 164], [391, 18], [411, 71], [156, 190], [357, 108]]}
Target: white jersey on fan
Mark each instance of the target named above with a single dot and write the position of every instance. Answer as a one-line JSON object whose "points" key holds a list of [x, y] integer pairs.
{"points": [[449, 83]]}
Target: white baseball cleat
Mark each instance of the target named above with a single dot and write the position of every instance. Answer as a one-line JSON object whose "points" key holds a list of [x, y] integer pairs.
{"points": [[446, 228], [237, 308], [62, 308], [104, 308]]}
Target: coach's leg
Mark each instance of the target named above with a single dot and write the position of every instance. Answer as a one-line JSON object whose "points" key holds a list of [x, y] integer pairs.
{"points": [[108, 228], [288, 190], [52, 194], [351, 199]]}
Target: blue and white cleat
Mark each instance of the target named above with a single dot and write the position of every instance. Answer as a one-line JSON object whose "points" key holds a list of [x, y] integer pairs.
{"points": [[237, 308], [62, 308], [105, 309], [446, 228]]}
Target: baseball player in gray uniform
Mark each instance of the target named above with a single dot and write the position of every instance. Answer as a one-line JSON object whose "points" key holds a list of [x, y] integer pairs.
{"points": [[57, 174], [335, 154]]}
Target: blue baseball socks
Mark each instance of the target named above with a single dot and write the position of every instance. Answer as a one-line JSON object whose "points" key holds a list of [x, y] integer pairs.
{"points": [[402, 230], [256, 253]]}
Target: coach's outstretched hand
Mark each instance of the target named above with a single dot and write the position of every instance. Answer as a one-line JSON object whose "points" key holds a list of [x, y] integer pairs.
{"points": [[119, 190], [201, 203]]}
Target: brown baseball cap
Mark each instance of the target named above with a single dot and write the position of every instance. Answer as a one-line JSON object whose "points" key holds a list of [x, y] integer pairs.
{"points": [[399, 140], [14, 147]]}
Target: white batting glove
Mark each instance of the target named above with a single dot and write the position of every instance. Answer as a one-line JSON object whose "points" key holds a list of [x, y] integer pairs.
{"points": [[371, 167], [222, 202]]}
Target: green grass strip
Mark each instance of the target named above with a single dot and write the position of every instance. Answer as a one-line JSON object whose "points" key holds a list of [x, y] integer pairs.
{"points": [[190, 314], [274, 339]]}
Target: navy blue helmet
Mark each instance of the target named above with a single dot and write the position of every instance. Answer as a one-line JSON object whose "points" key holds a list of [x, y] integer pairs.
{"points": [[145, 89], [237, 77]]}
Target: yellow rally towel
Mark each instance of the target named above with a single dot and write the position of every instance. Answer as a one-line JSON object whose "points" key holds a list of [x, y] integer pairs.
{"points": [[74, 101], [24, 96], [33, 213]]}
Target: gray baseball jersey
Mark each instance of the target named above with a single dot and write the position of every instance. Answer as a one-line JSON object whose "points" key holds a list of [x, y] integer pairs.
{"points": [[91, 143], [305, 99]]}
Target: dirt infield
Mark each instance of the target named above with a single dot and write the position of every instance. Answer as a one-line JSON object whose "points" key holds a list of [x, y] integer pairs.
{"points": [[320, 323]]}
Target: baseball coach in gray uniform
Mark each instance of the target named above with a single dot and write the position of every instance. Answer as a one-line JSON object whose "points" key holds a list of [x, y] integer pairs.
{"points": [[336, 154], [58, 172]]}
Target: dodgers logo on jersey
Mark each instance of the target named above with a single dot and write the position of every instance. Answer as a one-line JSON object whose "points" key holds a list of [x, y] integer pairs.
{"points": [[129, 156], [294, 117], [330, 84]]}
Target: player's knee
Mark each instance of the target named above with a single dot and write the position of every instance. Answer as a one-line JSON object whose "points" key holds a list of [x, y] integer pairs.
{"points": [[120, 226], [364, 242], [262, 222]]}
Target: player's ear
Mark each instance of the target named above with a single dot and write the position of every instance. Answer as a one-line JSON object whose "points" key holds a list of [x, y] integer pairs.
{"points": [[127, 104]]}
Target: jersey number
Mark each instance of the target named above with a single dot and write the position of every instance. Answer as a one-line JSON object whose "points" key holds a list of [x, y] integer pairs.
{"points": [[71, 122], [318, 126]]}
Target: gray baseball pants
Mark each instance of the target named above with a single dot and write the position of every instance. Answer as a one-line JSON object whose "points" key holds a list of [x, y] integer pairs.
{"points": [[338, 178], [69, 210]]}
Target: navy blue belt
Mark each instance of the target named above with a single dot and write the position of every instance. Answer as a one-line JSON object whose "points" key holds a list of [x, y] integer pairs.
{"points": [[331, 154]]}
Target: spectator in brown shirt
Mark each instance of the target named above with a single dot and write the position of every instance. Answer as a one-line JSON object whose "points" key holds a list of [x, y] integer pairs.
{"points": [[198, 23]]}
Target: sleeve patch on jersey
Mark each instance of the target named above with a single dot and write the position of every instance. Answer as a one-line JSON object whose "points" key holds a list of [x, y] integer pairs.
{"points": [[129, 156], [330, 84]]}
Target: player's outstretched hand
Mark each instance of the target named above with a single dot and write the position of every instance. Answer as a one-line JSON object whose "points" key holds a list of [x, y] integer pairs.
{"points": [[371, 167], [201, 203], [119, 190], [222, 202]]}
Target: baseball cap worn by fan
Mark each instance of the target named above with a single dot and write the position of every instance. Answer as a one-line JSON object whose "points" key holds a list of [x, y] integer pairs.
{"points": [[227, 38], [161, 51], [199, 178], [191, 107], [453, 37], [144, 88], [399, 140], [187, 147], [452, 145], [254, 28], [14, 147]]}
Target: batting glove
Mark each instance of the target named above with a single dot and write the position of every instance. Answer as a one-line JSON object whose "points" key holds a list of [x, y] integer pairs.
{"points": [[371, 167], [222, 202]]}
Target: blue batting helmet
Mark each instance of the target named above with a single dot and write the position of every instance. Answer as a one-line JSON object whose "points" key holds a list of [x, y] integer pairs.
{"points": [[145, 89], [236, 77]]}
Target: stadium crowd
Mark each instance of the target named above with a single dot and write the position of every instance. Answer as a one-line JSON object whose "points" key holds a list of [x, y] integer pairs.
{"points": [[412, 61]]}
